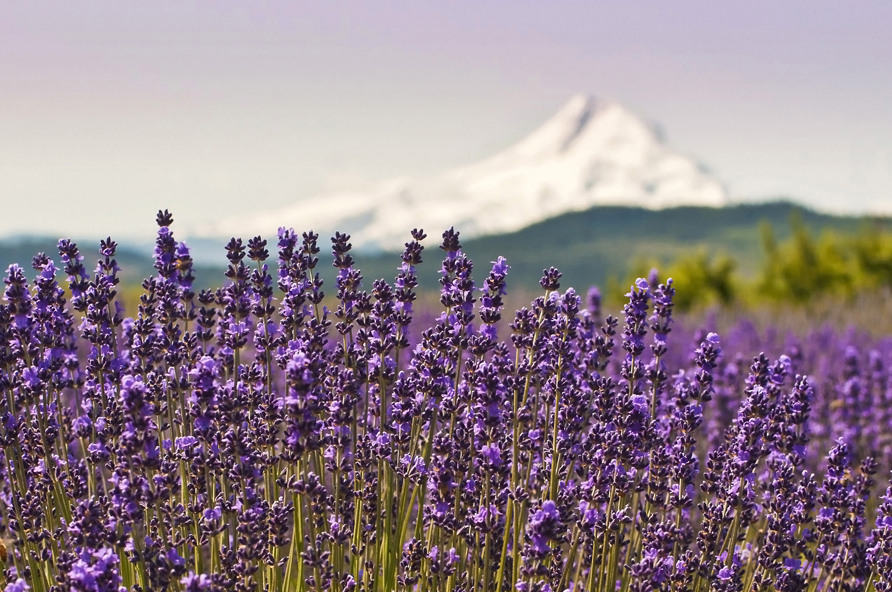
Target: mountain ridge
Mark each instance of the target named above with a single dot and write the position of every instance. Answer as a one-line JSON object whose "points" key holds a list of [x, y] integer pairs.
{"points": [[590, 152]]}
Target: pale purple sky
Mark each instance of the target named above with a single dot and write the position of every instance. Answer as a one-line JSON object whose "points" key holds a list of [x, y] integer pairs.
{"points": [[112, 109]]}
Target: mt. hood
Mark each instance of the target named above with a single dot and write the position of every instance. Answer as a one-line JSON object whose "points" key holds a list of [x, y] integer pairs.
{"points": [[591, 152]]}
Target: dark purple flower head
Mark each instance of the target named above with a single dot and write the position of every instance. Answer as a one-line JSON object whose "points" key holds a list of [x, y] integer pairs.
{"points": [[550, 279], [96, 570], [543, 525], [450, 242], [593, 301], [164, 218]]}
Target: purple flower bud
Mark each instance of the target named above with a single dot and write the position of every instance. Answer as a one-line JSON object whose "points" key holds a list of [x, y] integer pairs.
{"points": [[452, 557], [174, 558], [196, 583], [83, 426], [212, 514], [492, 454], [186, 442], [31, 377]]}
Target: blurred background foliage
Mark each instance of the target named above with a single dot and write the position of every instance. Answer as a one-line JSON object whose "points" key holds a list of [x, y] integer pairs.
{"points": [[799, 270]]}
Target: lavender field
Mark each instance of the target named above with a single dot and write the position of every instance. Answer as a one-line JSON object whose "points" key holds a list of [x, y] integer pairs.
{"points": [[280, 434]]}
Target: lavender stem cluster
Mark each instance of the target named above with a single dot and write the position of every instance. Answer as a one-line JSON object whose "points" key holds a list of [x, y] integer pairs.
{"points": [[265, 436]]}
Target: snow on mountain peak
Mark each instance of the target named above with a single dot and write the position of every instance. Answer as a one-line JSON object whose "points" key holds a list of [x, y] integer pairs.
{"points": [[591, 152], [556, 135]]}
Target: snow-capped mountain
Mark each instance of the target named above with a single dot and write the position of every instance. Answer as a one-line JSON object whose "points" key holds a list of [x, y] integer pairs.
{"points": [[591, 152]]}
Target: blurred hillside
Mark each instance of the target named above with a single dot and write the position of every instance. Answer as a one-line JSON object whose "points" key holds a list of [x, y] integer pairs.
{"points": [[601, 243]]}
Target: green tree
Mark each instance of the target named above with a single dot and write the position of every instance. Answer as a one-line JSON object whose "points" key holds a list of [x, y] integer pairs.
{"points": [[801, 267], [872, 252]]}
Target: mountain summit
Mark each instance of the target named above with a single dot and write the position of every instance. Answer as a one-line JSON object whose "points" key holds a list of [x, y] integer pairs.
{"points": [[591, 152]]}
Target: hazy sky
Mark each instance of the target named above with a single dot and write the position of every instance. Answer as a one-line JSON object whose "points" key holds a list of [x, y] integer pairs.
{"points": [[112, 109]]}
